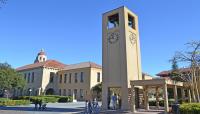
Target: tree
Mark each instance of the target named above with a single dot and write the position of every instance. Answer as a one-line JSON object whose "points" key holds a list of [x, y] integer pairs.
{"points": [[98, 89], [9, 78], [191, 57], [175, 74]]}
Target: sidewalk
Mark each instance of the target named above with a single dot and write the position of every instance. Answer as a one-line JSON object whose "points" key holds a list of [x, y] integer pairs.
{"points": [[140, 111]]}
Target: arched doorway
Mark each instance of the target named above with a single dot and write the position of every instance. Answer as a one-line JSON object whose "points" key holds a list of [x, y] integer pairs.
{"points": [[50, 91]]}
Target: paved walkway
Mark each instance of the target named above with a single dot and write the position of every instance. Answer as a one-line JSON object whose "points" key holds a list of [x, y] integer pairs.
{"points": [[63, 108]]}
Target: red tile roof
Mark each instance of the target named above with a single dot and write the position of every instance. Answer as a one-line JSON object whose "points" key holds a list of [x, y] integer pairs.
{"points": [[82, 65], [48, 63], [166, 73]]}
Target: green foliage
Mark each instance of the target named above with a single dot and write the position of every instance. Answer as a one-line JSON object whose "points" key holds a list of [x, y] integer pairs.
{"points": [[9, 78], [9, 102], [175, 74], [97, 88], [64, 99], [190, 108], [48, 98], [161, 102]]}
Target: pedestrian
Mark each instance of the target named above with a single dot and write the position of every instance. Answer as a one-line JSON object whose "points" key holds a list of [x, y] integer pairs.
{"points": [[95, 106], [40, 104], [36, 104], [89, 107], [114, 101], [86, 107]]}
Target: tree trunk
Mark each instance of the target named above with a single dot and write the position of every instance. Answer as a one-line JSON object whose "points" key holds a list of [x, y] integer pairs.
{"points": [[196, 85]]}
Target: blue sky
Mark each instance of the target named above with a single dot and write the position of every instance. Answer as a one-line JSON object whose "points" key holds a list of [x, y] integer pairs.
{"points": [[70, 30]]}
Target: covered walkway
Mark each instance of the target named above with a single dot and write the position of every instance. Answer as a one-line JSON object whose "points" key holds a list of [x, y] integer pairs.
{"points": [[156, 83]]}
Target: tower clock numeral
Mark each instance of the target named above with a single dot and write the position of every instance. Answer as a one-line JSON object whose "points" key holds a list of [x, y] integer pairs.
{"points": [[113, 37], [133, 38]]}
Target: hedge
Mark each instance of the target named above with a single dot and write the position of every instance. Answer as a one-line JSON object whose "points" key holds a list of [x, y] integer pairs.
{"points": [[48, 98], [9, 102], [190, 108], [161, 102], [64, 99]]}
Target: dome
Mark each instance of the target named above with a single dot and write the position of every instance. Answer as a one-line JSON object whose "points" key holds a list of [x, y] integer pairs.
{"points": [[41, 52], [41, 56]]}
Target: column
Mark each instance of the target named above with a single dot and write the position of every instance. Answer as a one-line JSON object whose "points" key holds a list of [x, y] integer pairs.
{"points": [[133, 99], [183, 94], [166, 99], [146, 98], [157, 98], [175, 94]]}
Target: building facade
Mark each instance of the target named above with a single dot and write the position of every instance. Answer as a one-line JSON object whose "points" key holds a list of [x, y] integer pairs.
{"points": [[51, 77], [78, 80]]}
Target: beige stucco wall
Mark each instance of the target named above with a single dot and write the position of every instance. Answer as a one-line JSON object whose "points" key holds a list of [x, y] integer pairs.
{"points": [[89, 80], [37, 80], [45, 79], [41, 80]]}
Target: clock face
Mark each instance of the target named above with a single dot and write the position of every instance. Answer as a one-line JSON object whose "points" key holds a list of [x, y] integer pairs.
{"points": [[113, 37], [133, 38]]}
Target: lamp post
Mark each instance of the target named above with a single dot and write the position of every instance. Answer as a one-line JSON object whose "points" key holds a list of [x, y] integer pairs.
{"points": [[30, 90], [6, 92]]}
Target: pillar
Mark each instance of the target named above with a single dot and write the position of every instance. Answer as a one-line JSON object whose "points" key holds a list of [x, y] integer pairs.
{"points": [[133, 99], [157, 98], [175, 94], [146, 98], [166, 104]]}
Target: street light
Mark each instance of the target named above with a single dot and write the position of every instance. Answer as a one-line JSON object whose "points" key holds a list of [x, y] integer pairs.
{"points": [[30, 90], [6, 92]]}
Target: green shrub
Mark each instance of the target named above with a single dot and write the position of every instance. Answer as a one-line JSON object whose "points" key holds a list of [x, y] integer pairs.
{"points": [[63, 99], [161, 102], [47, 98], [190, 108], [9, 102]]}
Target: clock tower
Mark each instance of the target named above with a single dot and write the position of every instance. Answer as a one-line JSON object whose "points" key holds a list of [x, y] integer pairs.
{"points": [[121, 55]]}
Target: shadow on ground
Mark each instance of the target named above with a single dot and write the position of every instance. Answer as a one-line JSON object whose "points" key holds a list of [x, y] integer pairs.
{"points": [[49, 109], [79, 110]]}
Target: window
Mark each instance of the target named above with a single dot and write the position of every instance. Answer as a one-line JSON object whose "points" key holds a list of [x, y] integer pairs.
{"points": [[81, 77], [61, 78], [29, 74], [81, 93], [131, 21], [113, 21], [75, 93], [40, 58], [64, 92], [65, 79], [51, 77], [60, 92], [70, 77], [75, 78], [33, 77], [98, 77], [25, 76], [69, 92]]}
